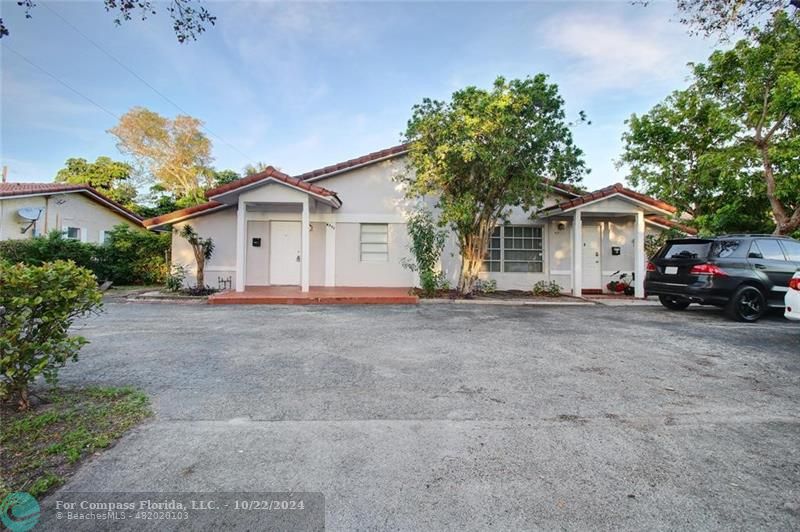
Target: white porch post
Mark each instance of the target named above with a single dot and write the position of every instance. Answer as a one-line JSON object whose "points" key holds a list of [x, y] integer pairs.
{"points": [[639, 263], [241, 244], [305, 248], [330, 254], [577, 255]]}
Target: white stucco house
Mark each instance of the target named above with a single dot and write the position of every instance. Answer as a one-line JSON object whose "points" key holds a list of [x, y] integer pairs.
{"points": [[79, 211], [345, 225]]}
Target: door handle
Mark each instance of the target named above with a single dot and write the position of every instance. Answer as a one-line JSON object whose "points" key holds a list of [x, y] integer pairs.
{"points": [[298, 258], [761, 267]]}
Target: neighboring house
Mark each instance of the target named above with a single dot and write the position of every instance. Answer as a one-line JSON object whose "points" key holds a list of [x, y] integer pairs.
{"points": [[345, 225], [78, 211]]}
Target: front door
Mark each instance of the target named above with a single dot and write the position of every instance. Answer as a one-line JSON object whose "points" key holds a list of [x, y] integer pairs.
{"points": [[591, 257], [284, 253]]}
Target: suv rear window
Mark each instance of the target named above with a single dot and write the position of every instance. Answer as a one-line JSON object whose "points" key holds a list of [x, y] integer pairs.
{"points": [[687, 250]]}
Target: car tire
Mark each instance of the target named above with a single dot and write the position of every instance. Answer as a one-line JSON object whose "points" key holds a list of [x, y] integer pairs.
{"points": [[748, 304], [673, 303]]}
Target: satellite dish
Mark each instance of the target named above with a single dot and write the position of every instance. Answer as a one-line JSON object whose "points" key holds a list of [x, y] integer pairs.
{"points": [[30, 214]]}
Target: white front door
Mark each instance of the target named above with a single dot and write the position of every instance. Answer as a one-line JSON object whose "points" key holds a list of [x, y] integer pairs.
{"points": [[592, 272], [284, 253]]}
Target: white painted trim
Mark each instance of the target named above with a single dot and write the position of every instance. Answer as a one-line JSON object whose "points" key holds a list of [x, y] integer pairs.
{"points": [[241, 247], [639, 257], [333, 201], [577, 254], [616, 194], [305, 247], [330, 254], [560, 272]]}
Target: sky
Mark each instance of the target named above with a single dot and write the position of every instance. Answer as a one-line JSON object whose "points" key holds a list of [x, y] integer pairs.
{"points": [[300, 85]]}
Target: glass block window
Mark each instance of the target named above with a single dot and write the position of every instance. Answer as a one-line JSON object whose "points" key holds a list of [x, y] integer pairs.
{"points": [[515, 249], [374, 243]]}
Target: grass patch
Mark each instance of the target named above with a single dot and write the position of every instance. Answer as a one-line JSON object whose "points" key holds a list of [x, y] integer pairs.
{"points": [[41, 448]]}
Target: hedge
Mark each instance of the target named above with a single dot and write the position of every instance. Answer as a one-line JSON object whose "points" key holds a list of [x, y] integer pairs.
{"points": [[128, 256]]}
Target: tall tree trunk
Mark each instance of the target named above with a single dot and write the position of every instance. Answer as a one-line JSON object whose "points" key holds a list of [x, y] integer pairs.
{"points": [[473, 250], [782, 222], [201, 265]]}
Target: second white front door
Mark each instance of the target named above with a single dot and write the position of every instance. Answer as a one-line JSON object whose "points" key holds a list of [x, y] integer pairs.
{"points": [[591, 257], [284, 253]]}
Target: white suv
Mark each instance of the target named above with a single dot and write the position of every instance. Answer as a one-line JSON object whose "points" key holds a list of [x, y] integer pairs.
{"points": [[793, 298]]}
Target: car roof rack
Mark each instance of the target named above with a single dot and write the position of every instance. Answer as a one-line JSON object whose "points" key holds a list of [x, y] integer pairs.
{"points": [[745, 235]]}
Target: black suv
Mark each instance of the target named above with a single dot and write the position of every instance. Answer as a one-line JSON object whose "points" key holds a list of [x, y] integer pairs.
{"points": [[745, 274]]}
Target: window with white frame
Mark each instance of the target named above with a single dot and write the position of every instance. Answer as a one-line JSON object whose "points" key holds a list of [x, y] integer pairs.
{"points": [[515, 249], [73, 233], [374, 242]]}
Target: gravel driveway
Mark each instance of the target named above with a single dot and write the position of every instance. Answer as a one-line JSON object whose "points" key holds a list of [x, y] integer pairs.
{"points": [[461, 417]]}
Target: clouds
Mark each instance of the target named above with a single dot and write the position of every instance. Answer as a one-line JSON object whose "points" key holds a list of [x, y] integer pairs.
{"points": [[619, 51]]}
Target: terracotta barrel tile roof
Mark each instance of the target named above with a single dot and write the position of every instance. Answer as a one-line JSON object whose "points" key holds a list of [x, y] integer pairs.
{"points": [[616, 188], [182, 213], [27, 189], [269, 173], [670, 223]]}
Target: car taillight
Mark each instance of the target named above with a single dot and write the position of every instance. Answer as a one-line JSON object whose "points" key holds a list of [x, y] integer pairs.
{"points": [[707, 269], [794, 283], [651, 267]]}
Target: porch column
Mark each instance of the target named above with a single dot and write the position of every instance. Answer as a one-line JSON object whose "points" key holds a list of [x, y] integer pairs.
{"points": [[330, 254], [305, 248], [577, 255], [241, 244], [640, 261]]}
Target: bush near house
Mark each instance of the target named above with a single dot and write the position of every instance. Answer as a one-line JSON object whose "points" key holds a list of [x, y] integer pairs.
{"points": [[37, 307], [127, 257]]}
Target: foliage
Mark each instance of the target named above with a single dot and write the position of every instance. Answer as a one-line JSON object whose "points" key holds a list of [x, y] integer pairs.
{"points": [[724, 17], [176, 278], [47, 248], [256, 168], [175, 152], [189, 17], [427, 243], [223, 177], [39, 304], [547, 288], [202, 248], [725, 149], [486, 286], [44, 444], [485, 151], [130, 256], [111, 178]]}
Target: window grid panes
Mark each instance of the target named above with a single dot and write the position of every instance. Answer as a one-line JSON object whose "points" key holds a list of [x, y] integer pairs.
{"points": [[374, 242], [73, 233], [515, 249]]}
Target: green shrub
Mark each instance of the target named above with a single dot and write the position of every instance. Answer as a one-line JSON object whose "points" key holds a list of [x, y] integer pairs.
{"points": [[131, 256], [176, 278], [128, 256], [547, 288], [485, 286], [37, 306], [51, 247], [427, 243]]}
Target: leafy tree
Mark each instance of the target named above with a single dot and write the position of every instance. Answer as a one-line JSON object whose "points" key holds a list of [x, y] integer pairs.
{"points": [[131, 256], [109, 177], [256, 168], [725, 149], [486, 151], [202, 248], [189, 17], [37, 307], [223, 177], [175, 152]]}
